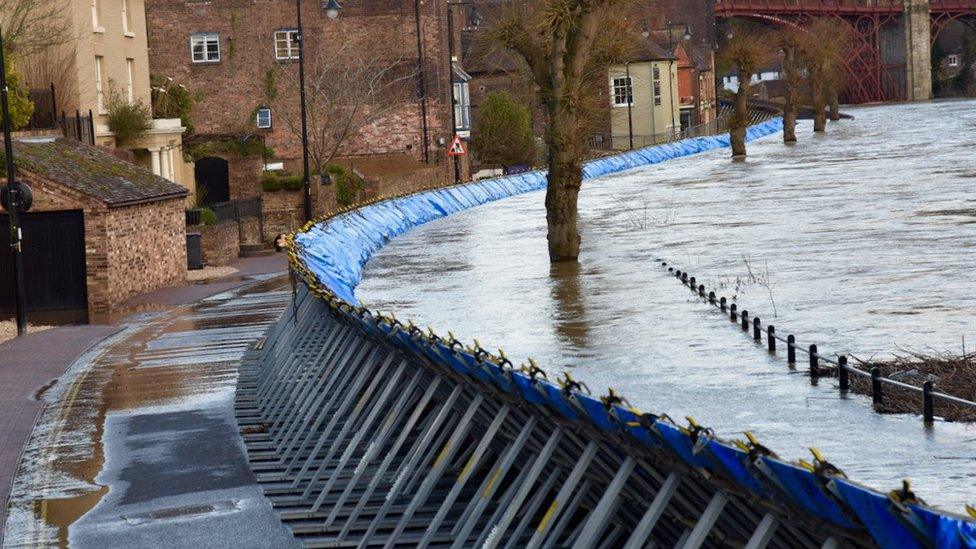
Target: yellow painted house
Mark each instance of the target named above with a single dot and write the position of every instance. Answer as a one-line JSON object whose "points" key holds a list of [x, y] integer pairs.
{"points": [[644, 106]]}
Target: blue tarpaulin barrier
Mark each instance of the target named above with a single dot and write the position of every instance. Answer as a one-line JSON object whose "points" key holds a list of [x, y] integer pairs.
{"points": [[336, 250]]}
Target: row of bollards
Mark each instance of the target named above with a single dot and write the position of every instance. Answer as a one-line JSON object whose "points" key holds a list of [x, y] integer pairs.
{"points": [[817, 368]]}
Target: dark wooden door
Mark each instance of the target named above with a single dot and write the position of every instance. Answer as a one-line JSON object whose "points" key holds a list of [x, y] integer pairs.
{"points": [[54, 266], [213, 183]]}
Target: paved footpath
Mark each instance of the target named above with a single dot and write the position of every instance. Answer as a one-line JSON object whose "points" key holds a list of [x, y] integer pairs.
{"points": [[120, 426]]}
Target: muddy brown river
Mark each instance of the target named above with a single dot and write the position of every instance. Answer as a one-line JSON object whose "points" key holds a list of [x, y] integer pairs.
{"points": [[862, 240]]}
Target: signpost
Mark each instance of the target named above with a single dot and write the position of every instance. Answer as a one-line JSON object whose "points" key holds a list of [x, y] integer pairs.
{"points": [[457, 147], [15, 199]]}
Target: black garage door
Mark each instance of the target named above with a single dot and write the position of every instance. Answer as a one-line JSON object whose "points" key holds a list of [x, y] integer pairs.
{"points": [[54, 267]]}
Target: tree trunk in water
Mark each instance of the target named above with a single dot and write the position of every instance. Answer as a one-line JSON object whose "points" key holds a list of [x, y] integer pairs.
{"points": [[740, 116], [819, 108], [562, 196], [835, 107], [792, 89]]}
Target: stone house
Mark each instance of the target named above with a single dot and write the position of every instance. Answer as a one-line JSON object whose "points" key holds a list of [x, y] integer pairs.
{"points": [[223, 52], [125, 226], [108, 57]]}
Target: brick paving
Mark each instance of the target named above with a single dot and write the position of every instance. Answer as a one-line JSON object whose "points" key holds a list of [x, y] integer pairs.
{"points": [[31, 363], [27, 365]]}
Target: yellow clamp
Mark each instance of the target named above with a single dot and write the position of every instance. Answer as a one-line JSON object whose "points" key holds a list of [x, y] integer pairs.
{"points": [[971, 510]]}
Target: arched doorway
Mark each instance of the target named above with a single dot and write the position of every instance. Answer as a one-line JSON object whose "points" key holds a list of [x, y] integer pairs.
{"points": [[213, 184]]}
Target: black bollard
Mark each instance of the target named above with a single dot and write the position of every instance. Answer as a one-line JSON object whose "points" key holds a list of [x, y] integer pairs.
{"points": [[791, 349], [928, 407], [722, 302], [876, 395], [711, 297], [701, 290], [771, 338], [670, 269], [814, 362], [732, 314], [843, 374], [692, 283], [684, 278], [745, 320], [756, 329]]}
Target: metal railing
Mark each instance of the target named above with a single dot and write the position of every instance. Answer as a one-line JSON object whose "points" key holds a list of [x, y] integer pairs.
{"points": [[45, 115], [621, 142], [79, 127], [232, 210], [817, 359]]}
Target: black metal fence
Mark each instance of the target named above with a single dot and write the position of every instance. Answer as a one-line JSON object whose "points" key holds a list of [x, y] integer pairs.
{"points": [[224, 212], [79, 127], [821, 365], [45, 115]]}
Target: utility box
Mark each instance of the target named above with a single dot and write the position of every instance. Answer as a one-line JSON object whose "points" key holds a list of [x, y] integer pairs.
{"points": [[194, 251]]}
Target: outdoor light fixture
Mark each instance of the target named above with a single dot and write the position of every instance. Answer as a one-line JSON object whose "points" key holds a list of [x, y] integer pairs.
{"points": [[687, 35], [645, 32], [332, 8]]}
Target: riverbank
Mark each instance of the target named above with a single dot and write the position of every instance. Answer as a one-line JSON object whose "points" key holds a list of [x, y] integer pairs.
{"points": [[954, 375]]}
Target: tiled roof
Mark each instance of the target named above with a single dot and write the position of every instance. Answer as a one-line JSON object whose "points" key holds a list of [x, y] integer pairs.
{"points": [[93, 171]]}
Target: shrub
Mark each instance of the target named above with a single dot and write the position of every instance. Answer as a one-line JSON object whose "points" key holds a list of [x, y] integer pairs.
{"points": [[128, 121], [171, 100], [293, 183], [21, 107], [503, 135], [271, 182], [348, 184], [208, 217]]}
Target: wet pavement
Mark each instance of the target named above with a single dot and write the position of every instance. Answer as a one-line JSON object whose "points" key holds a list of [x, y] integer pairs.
{"points": [[138, 446], [860, 240]]}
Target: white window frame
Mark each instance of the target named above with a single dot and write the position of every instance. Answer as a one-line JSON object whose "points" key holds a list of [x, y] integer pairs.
{"points": [[204, 39], [462, 107], [286, 44], [952, 60], [656, 85], [130, 79], [257, 119], [99, 85], [97, 17], [126, 30], [625, 86]]}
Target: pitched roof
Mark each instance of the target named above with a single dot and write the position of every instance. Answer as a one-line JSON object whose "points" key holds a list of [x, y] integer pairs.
{"points": [[93, 171], [651, 51]]}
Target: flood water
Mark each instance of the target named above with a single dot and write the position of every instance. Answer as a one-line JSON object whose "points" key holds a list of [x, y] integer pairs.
{"points": [[862, 240]]}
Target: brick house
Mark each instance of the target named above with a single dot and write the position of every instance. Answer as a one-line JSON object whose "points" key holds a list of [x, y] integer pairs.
{"points": [[125, 225], [223, 52]]}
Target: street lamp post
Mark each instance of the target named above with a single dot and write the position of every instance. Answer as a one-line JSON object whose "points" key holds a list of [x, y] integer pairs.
{"points": [[12, 199], [630, 106], [474, 19], [306, 184]]}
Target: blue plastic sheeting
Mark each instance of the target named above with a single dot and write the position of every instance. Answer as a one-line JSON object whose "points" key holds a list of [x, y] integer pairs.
{"points": [[337, 250]]}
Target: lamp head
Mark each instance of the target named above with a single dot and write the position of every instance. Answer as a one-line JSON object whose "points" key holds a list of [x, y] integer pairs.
{"points": [[332, 8]]}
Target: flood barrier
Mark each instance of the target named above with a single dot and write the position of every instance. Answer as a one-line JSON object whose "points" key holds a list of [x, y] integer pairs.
{"points": [[821, 364], [365, 431]]}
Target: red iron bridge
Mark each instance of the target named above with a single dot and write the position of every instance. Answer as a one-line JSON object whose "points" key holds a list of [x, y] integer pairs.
{"points": [[888, 55]]}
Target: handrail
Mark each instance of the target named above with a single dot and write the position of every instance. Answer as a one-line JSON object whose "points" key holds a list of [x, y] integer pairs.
{"points": [[840, 364]]}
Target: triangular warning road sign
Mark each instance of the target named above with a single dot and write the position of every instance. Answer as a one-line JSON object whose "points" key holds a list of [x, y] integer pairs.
{"points": [[457, 147]]}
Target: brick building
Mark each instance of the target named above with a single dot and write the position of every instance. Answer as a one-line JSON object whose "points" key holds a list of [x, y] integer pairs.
{"points": [[100, 231], [225, 51]]}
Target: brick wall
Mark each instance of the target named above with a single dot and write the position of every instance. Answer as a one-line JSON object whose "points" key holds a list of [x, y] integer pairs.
{"points": [[128, 250], [251, 231], [221, 243], [234, 87]]}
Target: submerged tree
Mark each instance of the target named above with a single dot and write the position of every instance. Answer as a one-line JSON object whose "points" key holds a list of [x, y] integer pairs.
{"points": [[790, 42], [747, 49], [823, 48], [567, 46]]}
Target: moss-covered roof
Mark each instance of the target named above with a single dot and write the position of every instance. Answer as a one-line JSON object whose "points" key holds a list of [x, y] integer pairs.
{"points": [[93, 171]]}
